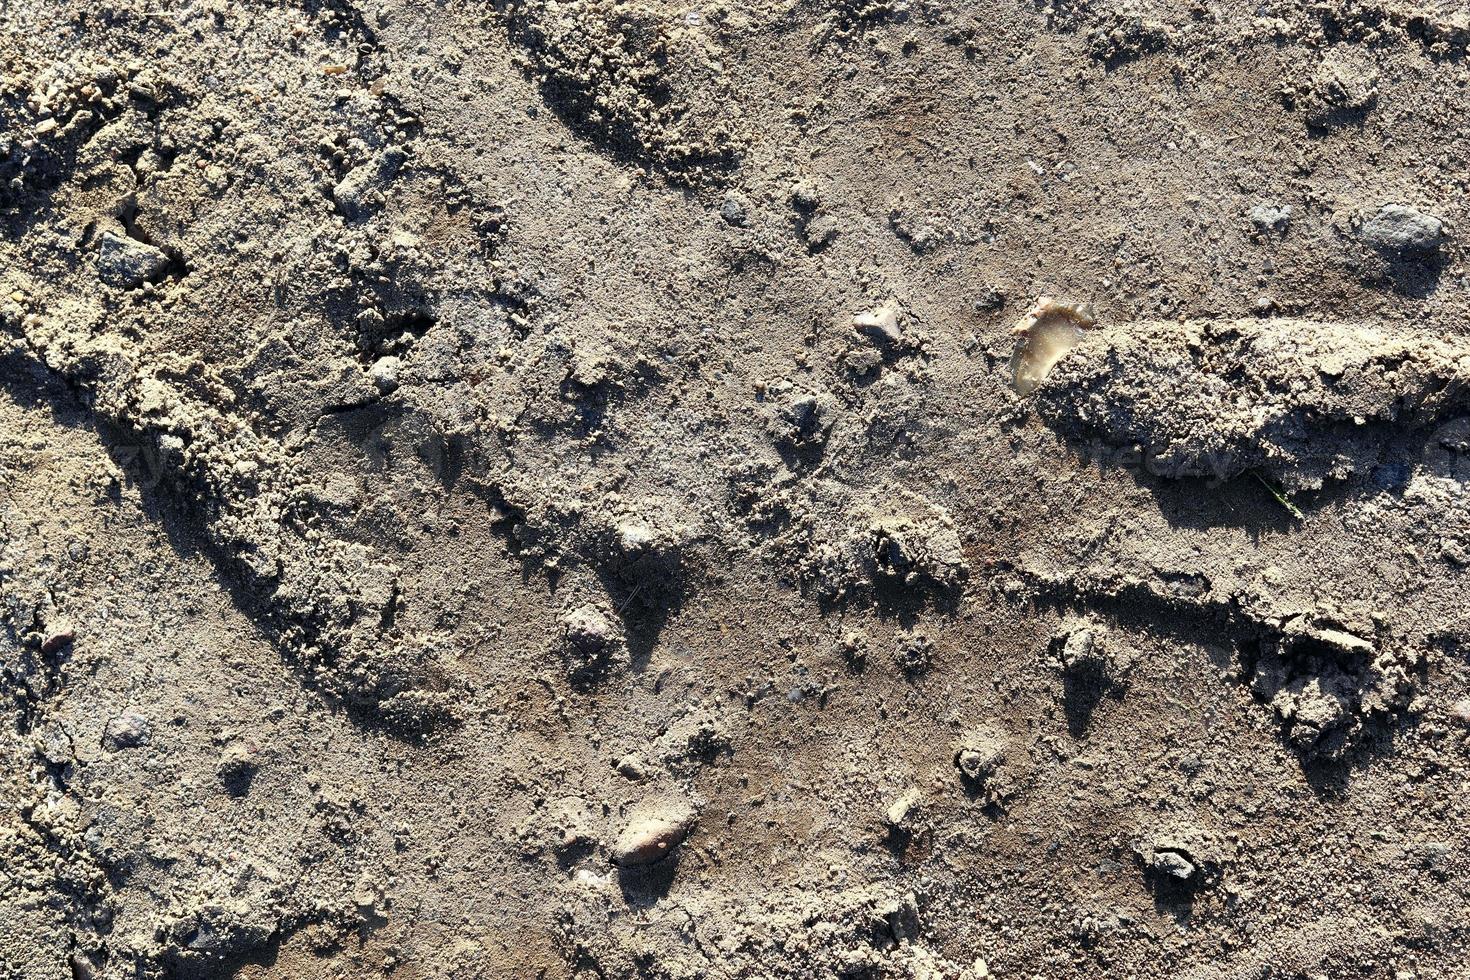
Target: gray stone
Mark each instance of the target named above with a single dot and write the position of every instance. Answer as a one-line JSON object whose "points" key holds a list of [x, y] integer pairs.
{"points": [[1399, 229], [125, 262], [734, 209], [1172, 863]]}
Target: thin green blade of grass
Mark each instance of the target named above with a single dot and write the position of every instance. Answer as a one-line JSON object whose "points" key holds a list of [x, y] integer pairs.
{"points": [[1281, 498]]}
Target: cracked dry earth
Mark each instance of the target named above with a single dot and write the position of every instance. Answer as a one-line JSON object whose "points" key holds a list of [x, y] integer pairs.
{"points": [[869, 489]]}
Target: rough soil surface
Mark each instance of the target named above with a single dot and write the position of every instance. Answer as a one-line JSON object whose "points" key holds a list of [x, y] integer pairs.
{"points": [[542, 489]]}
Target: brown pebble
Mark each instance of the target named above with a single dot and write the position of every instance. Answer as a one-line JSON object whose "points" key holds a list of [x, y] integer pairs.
{"points": [[653, 832], [56, 641]]}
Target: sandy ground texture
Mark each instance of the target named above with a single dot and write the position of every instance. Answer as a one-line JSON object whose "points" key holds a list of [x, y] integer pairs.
{"points": [[866, 489]]}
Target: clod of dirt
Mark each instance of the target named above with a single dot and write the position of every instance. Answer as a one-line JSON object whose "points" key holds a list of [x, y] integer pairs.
{"points": [[820, 231], [1398, 230], [54, 744], [653, 831], [126, 262], [1092, 665], [805, 196], [360, 192], [853, 647], [1172, 863], [1327, 684], [913, 652], [979, 754], [1178, 856], [803, 419], [592, 643], [1078, 648], [917, 549], [1460, 712], [701, 735], [1299, 401], [330, 603], [237, 767], [1342, 91], [646, 557], [864, 932], [1047, 331], [128, 730], [384, 373], [631, 766], [1270, 220], [1083, 646], [626, 78]]}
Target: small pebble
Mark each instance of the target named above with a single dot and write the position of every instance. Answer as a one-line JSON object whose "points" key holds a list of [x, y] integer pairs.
{"points": [[56, 640], [900, 809], [1173, 864], [1401, 230], [125, 262], [384, 373], [879, 324], [653, 833], [734, 209]]}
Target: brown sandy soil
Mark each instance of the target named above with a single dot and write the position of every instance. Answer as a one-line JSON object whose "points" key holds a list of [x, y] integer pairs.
{"points": [[535, 489]]}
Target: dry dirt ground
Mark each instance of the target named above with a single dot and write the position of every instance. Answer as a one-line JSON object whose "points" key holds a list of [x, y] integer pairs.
{"points": [[592, 489]]}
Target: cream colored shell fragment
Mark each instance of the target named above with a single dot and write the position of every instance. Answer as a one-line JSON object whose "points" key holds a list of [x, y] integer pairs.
{"points": [[879, 324], [1047, 331]]}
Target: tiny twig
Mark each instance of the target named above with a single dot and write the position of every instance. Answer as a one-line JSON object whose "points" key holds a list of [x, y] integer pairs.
{"points": [[636, 589]]}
